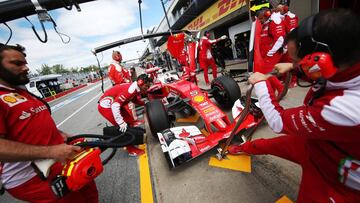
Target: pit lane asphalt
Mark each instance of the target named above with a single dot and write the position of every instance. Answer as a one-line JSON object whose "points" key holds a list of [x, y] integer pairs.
{"points": [[270, 179]]}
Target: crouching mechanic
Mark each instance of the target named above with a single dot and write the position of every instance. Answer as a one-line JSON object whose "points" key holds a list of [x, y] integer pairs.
{"points": [[28, 133], [323, 134], [113, 106]]}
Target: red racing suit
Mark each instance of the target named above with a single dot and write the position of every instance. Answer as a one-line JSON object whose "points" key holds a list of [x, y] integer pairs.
{"points": [[271, 40], [113, 104], [322, 136], [291, 21], [118, 74], [26, 119], [205, 57]]}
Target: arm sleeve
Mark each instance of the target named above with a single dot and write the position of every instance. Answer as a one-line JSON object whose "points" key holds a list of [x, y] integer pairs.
{"points": [[278, 44], [115, 109], [212, 41], [269, 106], [277, 31], [110, 72], [303, 120]]}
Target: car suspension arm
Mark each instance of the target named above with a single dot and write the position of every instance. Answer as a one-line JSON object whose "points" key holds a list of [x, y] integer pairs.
{"points": [[222, 151]]}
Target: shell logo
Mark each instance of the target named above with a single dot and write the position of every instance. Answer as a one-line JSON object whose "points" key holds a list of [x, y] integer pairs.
{"points": [[10, 99], [198, 98]]}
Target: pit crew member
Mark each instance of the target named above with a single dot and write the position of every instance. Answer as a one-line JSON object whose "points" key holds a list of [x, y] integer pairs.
{"points": [[28, 133], [322, 134], [205, 57], [113, 105]]}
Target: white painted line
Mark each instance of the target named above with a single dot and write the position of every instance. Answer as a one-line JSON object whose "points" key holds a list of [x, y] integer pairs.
{"points": [[58, 125], [77, 111], [72, 98]]}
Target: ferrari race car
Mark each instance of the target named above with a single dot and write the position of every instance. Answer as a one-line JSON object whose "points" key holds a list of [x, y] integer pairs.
{"points": [[175, 98], [174, 101]]}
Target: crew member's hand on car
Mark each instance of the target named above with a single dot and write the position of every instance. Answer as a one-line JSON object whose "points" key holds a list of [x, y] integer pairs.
{"points": [[123, 127]]}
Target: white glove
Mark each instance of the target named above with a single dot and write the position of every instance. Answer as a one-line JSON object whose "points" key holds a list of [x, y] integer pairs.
{"points": [[270, 54], [223, 37], [284, 49], [123, 127]]}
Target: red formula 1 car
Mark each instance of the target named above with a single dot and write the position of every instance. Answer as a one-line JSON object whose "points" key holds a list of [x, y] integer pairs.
{"points": [[172, 98]]}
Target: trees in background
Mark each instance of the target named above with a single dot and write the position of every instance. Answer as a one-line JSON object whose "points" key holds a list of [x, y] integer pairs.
{"points": [[44, 70], [90, 68], [59, 69]]}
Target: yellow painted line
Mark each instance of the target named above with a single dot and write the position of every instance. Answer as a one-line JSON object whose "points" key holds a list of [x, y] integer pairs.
{"points": [[146, 192], [233, 162], [284, 199], [191, 119]]}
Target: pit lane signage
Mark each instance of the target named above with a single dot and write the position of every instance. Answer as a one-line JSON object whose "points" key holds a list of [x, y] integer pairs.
{"points": [[217, 11]]}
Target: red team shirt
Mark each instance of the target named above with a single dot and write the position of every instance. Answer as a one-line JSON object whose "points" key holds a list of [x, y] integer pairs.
{"points": [[25, 119], [270, 33], [271, 40], [122, 94], [330, 126], [118, 74], [205, 57], [291, 21], [205, 48], [113, 104]]}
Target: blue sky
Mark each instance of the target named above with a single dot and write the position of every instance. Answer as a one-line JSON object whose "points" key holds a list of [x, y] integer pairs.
{"points": [[98, 23]]}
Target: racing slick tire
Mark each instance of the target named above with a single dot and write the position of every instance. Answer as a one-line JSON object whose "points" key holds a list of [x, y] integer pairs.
{"points": [[157, 117], [225, 91]]}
